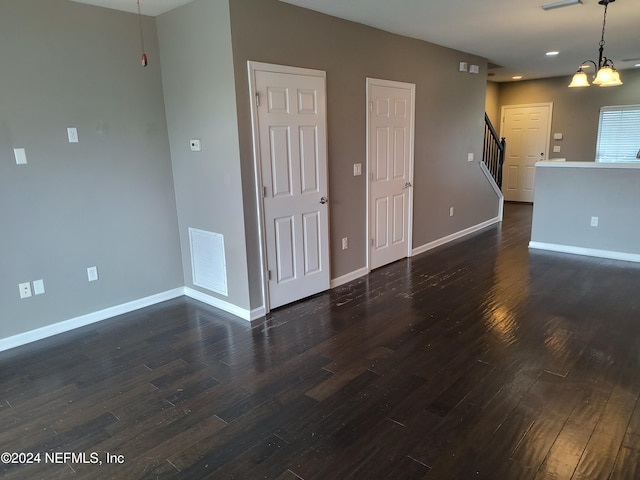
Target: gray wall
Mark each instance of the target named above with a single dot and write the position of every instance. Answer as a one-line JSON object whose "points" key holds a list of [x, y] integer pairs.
{"points": [[199, 92], [106, 201], [449, 120], [575, 110], [492, 104], [566, 198]]}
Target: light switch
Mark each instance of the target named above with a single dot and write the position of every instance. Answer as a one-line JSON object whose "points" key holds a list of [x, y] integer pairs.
{"points": [[72, 134], [357, 169], [470, 157], [556, 148], [557, 136], [21, 156]]}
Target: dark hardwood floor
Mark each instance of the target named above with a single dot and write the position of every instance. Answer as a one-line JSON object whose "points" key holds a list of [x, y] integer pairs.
{"points": [[478, 360]]}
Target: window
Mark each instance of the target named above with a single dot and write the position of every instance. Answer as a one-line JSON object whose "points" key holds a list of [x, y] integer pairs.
{"points": [[619, 134]]}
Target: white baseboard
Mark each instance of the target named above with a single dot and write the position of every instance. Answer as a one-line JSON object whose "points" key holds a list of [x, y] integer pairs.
{"points": [[495, 187], [349, 277], [223, 305], [455, 236], [83, 320], [589, 252], [249, 315], [257, 313]]}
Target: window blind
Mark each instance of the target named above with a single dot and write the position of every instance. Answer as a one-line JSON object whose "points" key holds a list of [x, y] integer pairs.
{"points": [[619, 134]]}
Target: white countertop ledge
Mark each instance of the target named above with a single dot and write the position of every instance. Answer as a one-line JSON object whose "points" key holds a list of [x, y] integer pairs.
{"points": [[557, 164]]}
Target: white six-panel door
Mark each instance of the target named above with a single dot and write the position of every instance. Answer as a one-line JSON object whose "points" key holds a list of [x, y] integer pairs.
{"points": [[292, 146], [527, 130], [390, 164]]}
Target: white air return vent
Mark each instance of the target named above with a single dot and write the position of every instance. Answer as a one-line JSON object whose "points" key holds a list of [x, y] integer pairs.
{"points": [[208, 264]]}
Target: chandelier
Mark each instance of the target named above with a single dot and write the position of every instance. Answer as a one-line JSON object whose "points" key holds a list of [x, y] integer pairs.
{"points": [[607, 75]]}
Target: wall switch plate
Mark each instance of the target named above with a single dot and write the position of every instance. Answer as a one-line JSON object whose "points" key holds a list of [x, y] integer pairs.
{"points": [[556, 148], [474, 69], [38, 287], [357, 169], [470, 157], [195, 144], [557, 136], [21, 156], [92, 274], [25, 289], [594, 221], [72, 134], [463, 66], [345, 243], [451, 211]]}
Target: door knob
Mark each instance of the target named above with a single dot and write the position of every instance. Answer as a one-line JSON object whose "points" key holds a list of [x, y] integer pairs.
{"points": [[324, 200], [407, 185]]}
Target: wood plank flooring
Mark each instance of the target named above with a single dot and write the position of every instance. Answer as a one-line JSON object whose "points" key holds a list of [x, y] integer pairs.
{"points": [[477, 360]]}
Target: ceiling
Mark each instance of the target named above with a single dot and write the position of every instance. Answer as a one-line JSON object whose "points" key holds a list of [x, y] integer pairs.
{"points": [[511, 34], [152, 8]]}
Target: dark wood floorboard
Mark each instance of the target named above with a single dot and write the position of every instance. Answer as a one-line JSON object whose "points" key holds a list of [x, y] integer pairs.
{"points": [[479, 359]]}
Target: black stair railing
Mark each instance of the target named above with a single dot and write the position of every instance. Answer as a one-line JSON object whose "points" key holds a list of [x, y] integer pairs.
{"points": [[493, 151]]}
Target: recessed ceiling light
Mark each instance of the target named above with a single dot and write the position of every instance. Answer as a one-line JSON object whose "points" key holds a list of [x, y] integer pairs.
{"points": [[517, 77], [552, 53]]}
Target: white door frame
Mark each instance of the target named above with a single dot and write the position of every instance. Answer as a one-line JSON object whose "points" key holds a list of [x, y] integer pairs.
{"points": [[526, 105], [412, 88], [252, 67]]}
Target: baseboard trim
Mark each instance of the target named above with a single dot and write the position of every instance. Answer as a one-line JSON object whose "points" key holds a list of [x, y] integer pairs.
{"points": [[349, 277], [455, 236], [84, 320], [589, 252], [223, 305], [495, 187], [249, 315], [257, 313]]}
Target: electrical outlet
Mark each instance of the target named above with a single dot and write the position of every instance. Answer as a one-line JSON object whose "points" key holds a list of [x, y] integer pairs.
{"points": [[451, 211], [345, 243], [25, 289], [92, 274], [594, 221], [72, 134]]}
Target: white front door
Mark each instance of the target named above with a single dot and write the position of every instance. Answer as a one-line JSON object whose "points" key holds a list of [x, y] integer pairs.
{"points": [[390, 167], [527, 129], [290, 111]]}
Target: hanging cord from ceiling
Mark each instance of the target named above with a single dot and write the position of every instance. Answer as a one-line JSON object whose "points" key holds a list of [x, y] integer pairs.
{"points": [[143, 59]]}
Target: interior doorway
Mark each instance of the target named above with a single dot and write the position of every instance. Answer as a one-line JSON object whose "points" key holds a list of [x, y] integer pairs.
{"points": [[290, 148], [390, 140]]}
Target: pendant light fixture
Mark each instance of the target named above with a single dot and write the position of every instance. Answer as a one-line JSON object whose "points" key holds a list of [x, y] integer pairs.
{"points": [[607, 75], [143, 59]]}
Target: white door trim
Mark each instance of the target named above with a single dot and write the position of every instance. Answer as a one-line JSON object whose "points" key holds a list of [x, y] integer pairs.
{"points": [[252, 68], [412, 88]]}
